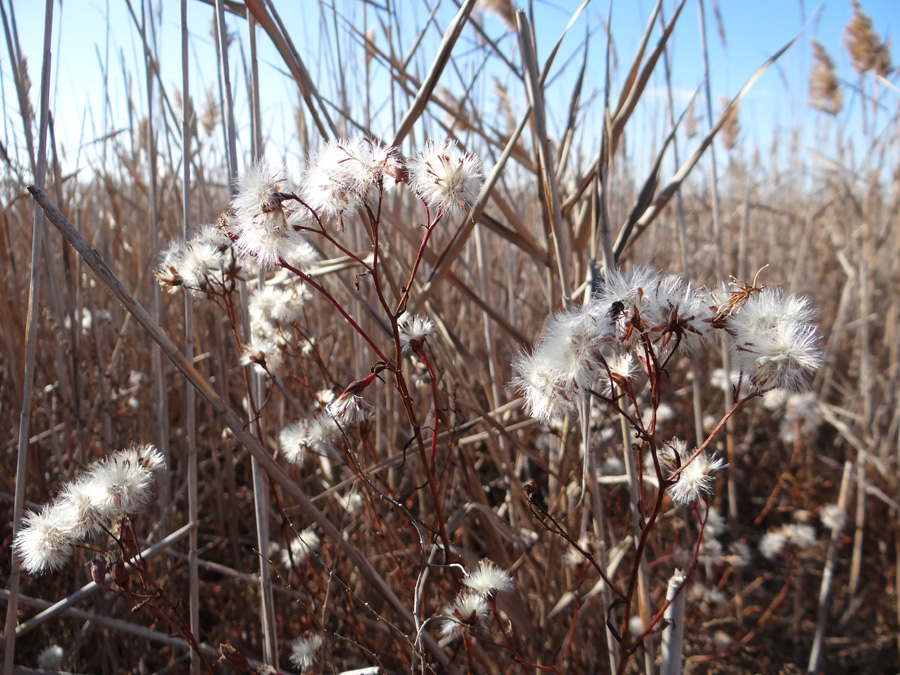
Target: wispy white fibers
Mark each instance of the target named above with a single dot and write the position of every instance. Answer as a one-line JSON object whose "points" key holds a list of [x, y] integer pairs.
{"points": [[110, 488], [445, 178], [264, 223], [774, 341]]}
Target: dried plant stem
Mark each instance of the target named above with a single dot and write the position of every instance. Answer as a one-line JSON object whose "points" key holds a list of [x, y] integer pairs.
{"points": [[673, 635], [260, 501], [828, 575], [559, 235], [90, 588], [31, 330], [720, 265], [122, 626], [451, 35], [859, 525], [681, 223], [161, 404], [638, 526], [187, 113]]}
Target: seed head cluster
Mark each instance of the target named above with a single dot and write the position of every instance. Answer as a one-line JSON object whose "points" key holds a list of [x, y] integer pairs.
{"points": [[111, 488]]}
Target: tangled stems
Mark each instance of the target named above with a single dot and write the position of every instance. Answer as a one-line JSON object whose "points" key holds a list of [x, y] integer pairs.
{"points": [[321, 289], [393, 365]]}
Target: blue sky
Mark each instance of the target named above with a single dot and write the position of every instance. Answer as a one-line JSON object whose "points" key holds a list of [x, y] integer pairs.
{"points": [[88, 32]]}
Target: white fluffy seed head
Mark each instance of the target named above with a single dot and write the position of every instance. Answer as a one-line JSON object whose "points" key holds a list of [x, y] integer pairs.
{"points": [[488, 579], [120, 484], [464, 613], [546, 398], [801, 417], [305, 649], [624, 296], [331, 182], [44, 542], [833, 517], [349, 408], [263, 354], [771, 544], [110, 488], [799, 535], [50, 657], [696, 479], [302, 547], [261, 223], [445, 178], [774, 343], [414, 329]]}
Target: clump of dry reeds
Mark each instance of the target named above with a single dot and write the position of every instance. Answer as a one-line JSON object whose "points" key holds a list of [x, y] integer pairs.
{"points": [[355, 490]]}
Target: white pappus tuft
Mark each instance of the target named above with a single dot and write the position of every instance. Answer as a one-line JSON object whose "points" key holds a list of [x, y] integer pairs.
{"points": [[112, 487], [261, 224], [488, 579], [445, 178], [305, 649], [774, 343], [413, 329], [696, 479]]}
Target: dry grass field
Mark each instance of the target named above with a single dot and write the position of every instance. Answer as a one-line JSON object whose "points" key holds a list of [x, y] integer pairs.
{"points": [[516, 402]]}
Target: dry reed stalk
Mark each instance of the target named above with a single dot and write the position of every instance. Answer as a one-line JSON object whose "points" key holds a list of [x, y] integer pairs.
{"points": [[681, 223], [451, 35], [161, 404], [190, 423], [673, 634], [280, 38], [724, 120], [665, 194], [228, 416], [31, 335], [635, 500], [253, 393], [558, 232], [116, 624], [828, 574], [91, 587]]}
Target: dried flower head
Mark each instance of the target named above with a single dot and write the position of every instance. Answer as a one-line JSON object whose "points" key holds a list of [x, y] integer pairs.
{"points": [[696, 479], [799, 535], [867, 51], [464, 613], [263, 354], [774, 343], [801, 417], [44, 542], [110, 488], [339, 177], [445, 178], [303, 545], [50, 657], [546, 398], [488, 579], [414, 329], [771, 544], [824, 89], [305, 649], [833, 517], [318, 434], [262, 224]]}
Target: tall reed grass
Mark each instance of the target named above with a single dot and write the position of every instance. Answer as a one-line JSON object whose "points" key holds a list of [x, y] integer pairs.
{"points": [[468, 394]]}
